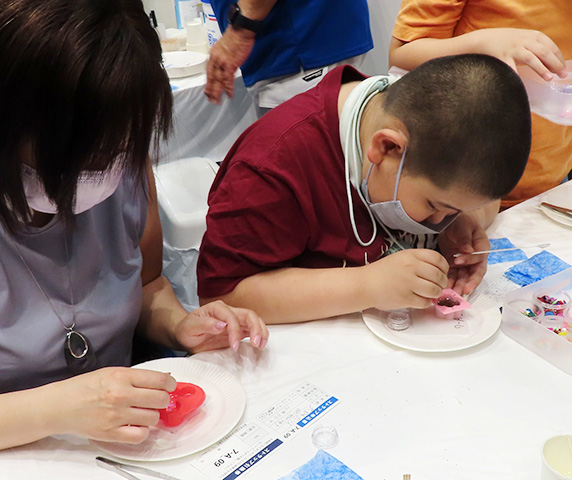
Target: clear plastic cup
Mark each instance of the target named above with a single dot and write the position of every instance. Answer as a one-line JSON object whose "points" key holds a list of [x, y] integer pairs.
{"points": [[553, 309], [399, 319], [324, 436]]}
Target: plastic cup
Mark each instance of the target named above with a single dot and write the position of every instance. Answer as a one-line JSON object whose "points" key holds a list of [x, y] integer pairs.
{"points": [[553, 308], [399, 319], [196, 36], [324, 436], [557, 458]]}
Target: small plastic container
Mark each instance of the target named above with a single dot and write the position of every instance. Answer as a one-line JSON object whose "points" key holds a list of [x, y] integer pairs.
{"points": [[399, 319], [557, 458], [528, 329], [551, 100], [324, 436], [553, 309]]}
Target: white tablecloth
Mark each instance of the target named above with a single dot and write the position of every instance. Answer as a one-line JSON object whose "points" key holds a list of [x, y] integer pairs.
{"points": [[475, 414], [202, 129]]}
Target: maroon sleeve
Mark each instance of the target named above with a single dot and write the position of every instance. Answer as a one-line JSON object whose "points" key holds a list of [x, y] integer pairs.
{"points": [[255, 223]]}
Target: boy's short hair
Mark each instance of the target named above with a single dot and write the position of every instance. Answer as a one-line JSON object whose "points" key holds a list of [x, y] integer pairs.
{"points": [[82, 85], [469, 123]]}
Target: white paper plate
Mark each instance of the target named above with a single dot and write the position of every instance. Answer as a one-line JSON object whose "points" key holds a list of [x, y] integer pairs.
{"points": [[223, 408], [558, 217], [184, 64], [481, 324]]}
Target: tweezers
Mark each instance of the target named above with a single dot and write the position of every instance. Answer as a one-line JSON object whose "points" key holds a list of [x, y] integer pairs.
{"points": [[120, 469], [556, 208]]}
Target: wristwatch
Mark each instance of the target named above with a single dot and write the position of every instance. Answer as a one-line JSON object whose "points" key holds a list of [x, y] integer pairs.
{"points": [[238, 20]]}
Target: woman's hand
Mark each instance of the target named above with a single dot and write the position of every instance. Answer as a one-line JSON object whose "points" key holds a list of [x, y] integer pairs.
{"points": [[114, 404], [216, 325]]}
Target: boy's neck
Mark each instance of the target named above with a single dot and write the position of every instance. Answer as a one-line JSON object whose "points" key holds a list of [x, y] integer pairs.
{"points": [[367, 125]]}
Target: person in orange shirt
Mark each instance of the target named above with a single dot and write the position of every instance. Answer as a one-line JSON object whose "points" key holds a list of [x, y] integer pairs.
{"points": [[532, 32]]}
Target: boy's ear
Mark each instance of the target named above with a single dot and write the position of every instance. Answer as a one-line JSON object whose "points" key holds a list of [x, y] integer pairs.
{"points": [[386, 143]]}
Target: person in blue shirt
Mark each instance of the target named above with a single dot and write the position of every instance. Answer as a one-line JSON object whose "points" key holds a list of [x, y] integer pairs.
{"points": [[284, 47]]}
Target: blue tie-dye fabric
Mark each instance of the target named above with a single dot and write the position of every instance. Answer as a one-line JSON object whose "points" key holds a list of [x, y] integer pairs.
{"points": [[536, 268], [323, 467], [500, 257]]}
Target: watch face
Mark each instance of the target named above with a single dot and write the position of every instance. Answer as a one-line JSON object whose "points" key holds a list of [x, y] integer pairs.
{"points": [[233, 12]]}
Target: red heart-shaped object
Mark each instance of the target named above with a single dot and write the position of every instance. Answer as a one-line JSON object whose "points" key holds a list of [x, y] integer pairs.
{"points": [[185, 399]]}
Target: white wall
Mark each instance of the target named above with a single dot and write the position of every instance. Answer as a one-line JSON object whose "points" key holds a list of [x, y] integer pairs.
{"points": [[382, 15], [164, 9]]}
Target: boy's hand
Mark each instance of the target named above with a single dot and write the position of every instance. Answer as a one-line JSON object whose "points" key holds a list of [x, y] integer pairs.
{"points": [[518, 46], [465, 235], [410, 278]]}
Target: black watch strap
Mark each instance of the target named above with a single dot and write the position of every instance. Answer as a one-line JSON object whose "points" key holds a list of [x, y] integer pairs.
{"points": [[238, 20]]}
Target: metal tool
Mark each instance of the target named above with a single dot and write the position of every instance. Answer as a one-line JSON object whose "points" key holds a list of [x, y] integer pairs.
{"points": [[556, 208], [538, 245], [120, 469]]}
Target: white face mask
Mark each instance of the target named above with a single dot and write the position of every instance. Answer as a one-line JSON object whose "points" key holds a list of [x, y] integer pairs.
{"points": [[92, 188], [393, 215], [350, 119]]}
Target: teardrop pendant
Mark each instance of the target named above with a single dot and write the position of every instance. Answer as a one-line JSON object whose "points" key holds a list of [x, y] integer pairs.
{"points": [[80, 358], [76, 344]]}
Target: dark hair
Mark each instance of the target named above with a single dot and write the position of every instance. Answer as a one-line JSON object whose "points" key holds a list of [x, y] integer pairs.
{"points": [[468, 120], [82, 85]]}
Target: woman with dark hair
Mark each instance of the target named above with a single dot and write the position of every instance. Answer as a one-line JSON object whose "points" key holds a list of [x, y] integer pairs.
{"points": [[82, 97]]}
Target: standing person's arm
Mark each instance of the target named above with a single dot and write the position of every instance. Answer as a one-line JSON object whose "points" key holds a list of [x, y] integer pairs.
{"points": [[232, 50]]}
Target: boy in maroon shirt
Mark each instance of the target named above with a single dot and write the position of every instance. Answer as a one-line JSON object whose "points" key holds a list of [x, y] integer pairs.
{"points": [[317, 206]]}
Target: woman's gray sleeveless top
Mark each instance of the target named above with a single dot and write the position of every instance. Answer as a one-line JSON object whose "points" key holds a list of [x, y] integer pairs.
{"points": [[103, 262]]}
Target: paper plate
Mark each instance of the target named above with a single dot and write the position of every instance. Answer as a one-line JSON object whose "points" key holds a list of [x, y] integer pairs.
{"points": [[481, 326], [223, 408], [184, 64]]}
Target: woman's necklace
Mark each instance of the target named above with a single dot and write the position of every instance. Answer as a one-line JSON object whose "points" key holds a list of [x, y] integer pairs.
{"points": [[79, 357]]}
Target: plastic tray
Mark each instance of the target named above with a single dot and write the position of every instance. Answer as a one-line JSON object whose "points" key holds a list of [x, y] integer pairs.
{"points": [[552, 347]]}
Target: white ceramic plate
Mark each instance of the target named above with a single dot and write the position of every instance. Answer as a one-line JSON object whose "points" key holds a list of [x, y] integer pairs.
{"points": [[223, 408], [556, 216], [481, 326]]}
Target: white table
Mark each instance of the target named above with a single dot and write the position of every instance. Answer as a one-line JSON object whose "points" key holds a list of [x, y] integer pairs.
{"points": [[480, 413], [202, 129]]}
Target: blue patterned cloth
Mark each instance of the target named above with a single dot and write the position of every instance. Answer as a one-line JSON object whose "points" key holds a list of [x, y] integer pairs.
{"points": [[536, 268], [323, 467], [500, 257]]}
